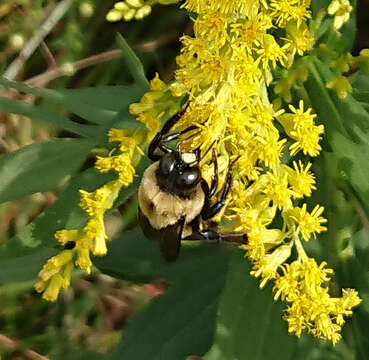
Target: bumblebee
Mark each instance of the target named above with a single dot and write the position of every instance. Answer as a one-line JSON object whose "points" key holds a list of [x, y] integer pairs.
{"points": [[174, 200]]}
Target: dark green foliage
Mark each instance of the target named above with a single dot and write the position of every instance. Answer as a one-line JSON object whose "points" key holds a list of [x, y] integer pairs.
{"points": [[213, 307]]}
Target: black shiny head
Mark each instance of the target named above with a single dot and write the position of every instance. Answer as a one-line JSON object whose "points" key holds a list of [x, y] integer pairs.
{"points": [[176, 176]]}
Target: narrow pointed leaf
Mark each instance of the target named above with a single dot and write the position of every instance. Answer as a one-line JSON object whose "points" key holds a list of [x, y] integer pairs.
{"points": [[40, 167], [185, 315], [42, 114], [249, 324], [98, 105], [133, 63]]}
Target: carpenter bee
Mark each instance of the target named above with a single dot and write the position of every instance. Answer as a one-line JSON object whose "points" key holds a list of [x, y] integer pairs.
{"points": [[174, 200]]}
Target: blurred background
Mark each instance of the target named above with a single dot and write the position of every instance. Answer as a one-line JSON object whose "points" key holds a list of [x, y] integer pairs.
{"points": [[79, 51]]}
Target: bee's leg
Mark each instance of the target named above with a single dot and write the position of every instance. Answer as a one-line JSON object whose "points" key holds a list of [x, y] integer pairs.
{"points": [[173, 136], [212, 235], [210, 211], [160, 137], [195, 224], [215, 179]]}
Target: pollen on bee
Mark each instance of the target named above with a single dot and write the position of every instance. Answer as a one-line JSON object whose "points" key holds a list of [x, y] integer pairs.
{"points": [[188, 158]]}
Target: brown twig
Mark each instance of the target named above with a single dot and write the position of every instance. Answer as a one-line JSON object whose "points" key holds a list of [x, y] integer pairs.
{"points": [[49, 57], [361, 213], [49, 75], [32, 44], [13, 345]]}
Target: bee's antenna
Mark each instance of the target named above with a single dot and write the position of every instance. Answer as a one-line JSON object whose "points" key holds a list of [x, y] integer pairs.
{"points": [[235, 160], [179, 149], [207, 150]]}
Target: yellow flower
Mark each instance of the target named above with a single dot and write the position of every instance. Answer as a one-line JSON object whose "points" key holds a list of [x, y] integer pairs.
{"points": [[100, 200], [95, 229], [278, 190], [231, 6], [224, 70], [271, 51], [298, 40], [303, 285], [55, 274], [128, 10], [299, 125], [342, 86], [341, 10], [120, 163], [285, 11], [249, 32], [301, 179], [160, 100], [83, 259], [268, 265], [51, 291], [308, 224]]}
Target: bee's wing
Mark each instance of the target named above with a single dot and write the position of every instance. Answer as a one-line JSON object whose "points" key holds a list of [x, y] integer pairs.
{"points": [[168, 238]]}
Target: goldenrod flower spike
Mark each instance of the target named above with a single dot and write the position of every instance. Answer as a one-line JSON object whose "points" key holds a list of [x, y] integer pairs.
{"points": [[79, 244], [226, 68]]}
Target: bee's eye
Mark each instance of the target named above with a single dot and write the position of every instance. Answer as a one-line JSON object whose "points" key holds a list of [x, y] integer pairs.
{"points": [[167, 163], [188, 178]]}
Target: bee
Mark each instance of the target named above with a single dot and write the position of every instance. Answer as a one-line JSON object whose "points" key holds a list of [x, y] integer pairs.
{"points": [[175, 202]]}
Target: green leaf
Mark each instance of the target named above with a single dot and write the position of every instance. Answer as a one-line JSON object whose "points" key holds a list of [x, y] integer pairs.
{"points": [[81, 355], [354, 272], [42, 114], [133, 257], [25, 267], [98, 105], [250, 324], [36, 242], [40, 166], [180, 322], [63, 213], [347, 129], [360, 85], [49, 94], [317, 5], [133, 63]]}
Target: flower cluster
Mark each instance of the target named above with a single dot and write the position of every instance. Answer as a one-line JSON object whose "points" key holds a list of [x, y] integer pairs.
{"points": [[224, 72], [225, 69], [161, 101], [340, 64], [340, 10], [133, 9], [128, 10], [78, 244]]}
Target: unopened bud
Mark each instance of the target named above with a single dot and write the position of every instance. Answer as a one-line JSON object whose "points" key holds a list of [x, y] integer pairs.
{"points": [[341, 85], [121, 6], [113, 15], [135, 3], [16, 41], [68, 69], [86, 9], [142, 12], [129, 15]]}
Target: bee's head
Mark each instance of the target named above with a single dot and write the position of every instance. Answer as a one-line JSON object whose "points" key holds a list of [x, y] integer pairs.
{"points": [[178, 173]]}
